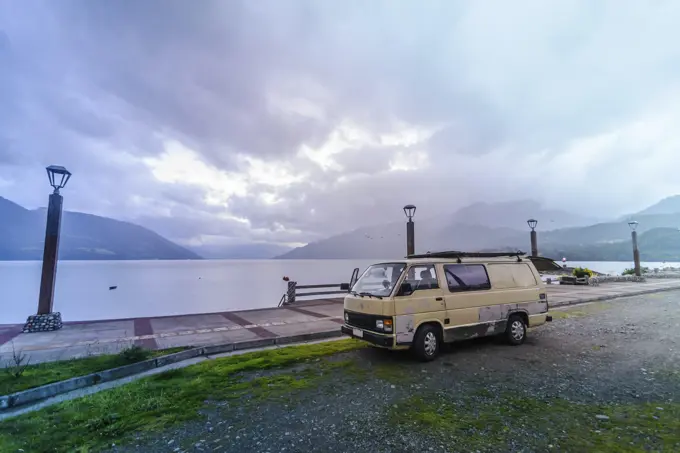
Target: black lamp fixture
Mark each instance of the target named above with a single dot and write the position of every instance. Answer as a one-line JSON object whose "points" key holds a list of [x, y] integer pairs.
{"points": [[59, 176], [633, 225], [532, 224], [410, 211]]}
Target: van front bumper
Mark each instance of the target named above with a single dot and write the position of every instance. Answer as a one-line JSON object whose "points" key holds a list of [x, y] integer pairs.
{"points": [[385, 341]]}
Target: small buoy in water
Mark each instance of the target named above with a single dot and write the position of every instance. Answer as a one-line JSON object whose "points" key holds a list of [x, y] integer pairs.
{"points": [[112, 287]]}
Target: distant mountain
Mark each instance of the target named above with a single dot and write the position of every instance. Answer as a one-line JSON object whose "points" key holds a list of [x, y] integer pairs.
{"points": [[609, 232], [515, 214], [83, 237], [241, 251], [489, 226], [475, 227], [658, 244], [669, 205]]}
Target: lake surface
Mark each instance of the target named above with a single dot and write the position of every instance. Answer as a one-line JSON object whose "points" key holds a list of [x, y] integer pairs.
{"points": [[155, 288]]}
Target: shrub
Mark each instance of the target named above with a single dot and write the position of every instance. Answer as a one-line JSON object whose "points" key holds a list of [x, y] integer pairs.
{"points": [[135, 354], [580, 272], [17, 364], [631, 271]]}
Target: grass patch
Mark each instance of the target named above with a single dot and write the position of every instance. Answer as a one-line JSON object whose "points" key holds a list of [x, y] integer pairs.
{"points": [[516, 423], [393, 373], [580, 311], [163, 400], [47, 373], [563, 314]]}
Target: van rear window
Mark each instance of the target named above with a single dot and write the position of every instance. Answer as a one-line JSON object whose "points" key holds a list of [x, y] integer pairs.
{"points": [[466, 277]]}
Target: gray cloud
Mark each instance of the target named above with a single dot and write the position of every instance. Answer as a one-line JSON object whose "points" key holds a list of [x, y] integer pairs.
{"points": [[572, 93]]}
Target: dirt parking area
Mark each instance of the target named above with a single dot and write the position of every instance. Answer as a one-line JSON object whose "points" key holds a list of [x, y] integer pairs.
{"points": [[600, 377]]}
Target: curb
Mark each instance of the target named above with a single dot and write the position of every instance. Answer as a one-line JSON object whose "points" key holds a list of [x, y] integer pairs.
{"points": [[37, 394]]}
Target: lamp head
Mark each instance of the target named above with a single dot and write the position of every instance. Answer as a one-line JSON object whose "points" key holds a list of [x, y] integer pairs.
{"points": [[58, 176], [410, 211]]}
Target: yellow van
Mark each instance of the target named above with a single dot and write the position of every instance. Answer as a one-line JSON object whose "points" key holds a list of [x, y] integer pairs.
{"points": [[425, 300]]}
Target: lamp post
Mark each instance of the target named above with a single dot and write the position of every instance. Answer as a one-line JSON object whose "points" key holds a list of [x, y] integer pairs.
{"points": [[534, 240], [46, 319], [636, 253], [410, 211]]}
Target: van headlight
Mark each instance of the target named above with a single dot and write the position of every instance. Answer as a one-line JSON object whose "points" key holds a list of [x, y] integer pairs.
{"points": [[384, 325], [346, 317]]}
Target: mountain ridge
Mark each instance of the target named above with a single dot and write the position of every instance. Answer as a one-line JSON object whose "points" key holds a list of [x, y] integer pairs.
{"points": [[83, 237], [476, 226], [667, 205], [488, 226]]}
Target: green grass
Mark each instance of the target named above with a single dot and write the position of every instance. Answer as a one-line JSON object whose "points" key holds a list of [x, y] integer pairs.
{"points": [[488, 424], [580, 311], [563, 314], [393, 373], [163, 400], [47, 373]]}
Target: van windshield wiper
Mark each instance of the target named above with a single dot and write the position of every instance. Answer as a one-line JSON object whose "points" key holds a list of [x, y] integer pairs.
{"points": [[370, 295]]}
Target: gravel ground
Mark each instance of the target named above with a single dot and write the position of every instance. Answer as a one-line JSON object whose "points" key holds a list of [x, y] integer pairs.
{"points": [[625, 352]]}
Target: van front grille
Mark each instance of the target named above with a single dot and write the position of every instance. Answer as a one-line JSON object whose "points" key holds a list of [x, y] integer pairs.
{"points": [[362, 320]]}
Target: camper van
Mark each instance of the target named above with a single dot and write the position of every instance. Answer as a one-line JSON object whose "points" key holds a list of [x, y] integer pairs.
{"points": [[426, 300]]}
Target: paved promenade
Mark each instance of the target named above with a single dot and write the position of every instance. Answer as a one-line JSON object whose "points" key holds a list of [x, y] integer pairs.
{"points": [[305, 319]]}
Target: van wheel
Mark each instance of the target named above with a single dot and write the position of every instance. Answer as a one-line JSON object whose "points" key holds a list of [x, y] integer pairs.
{"points": [[426, 343], [516, 331]]}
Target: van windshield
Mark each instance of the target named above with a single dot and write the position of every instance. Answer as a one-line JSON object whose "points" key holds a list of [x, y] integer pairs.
{"points": [[379, 279]]}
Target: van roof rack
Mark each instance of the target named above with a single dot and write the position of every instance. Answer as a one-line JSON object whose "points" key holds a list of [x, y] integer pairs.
{"points": [[458, 255]]}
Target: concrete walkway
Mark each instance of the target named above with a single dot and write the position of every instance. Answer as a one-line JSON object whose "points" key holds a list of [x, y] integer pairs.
{"points": [[78, 339]]}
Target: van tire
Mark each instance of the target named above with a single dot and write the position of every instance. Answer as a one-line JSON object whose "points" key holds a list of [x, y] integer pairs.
{"points": [[427, 342], [516, 330]]}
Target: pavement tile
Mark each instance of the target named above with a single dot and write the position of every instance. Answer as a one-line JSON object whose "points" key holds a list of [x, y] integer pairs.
{"points": [[203, 339], [192, 322], [297, 329]]}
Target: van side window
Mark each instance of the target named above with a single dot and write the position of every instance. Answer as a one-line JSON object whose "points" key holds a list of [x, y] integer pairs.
{"points": [[466, 277], [523, 276], [423, 277]]}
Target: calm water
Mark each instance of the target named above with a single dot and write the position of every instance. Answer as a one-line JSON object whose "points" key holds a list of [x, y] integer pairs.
{"points": [[154, 288]]}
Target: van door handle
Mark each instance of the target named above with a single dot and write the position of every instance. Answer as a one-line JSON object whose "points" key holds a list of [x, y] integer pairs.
{"points": [[439, 299]]}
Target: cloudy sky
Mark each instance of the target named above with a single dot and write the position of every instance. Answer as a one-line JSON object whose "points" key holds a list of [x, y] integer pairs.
{"points": [[289, 120]]}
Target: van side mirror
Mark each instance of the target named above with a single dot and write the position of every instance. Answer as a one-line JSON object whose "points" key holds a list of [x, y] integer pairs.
{"points": [[405, 290], [344, 286]]}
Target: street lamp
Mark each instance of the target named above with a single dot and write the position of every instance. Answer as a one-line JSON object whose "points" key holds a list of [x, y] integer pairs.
{"points": [[58, 176], [636, 253], [46, 319], [410, 211], [534, 240]]}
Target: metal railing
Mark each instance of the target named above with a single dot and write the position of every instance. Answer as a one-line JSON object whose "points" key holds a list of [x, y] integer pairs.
{"points": [[294, 289]]}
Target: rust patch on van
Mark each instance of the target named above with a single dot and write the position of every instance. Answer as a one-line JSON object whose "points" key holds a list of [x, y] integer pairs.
{"points": [[492, 313], [405, 328], [501, 312]]}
